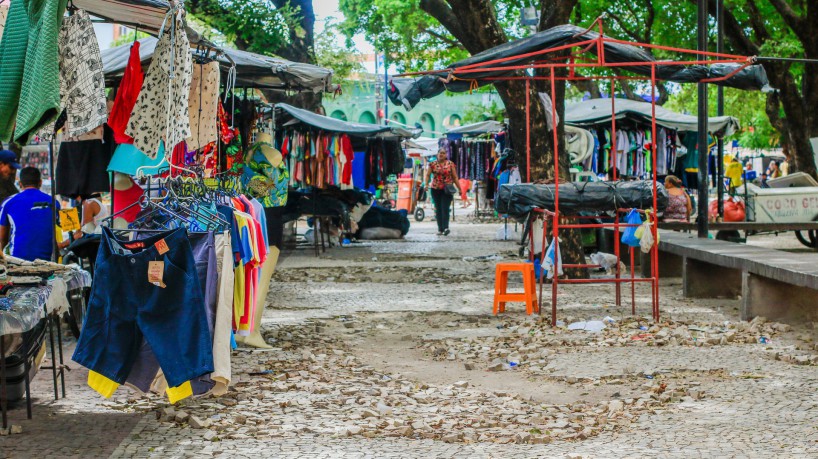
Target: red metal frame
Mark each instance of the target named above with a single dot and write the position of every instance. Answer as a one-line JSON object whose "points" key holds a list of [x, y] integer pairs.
{"points": [[573, 61]]}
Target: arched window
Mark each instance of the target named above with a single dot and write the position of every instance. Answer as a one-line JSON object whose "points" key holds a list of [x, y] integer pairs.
{"points": [[339, 115], [428, 123], [398, 116], [367, 117]]}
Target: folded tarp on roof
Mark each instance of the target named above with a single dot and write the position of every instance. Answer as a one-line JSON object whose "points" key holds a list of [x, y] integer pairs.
{"points": [[409, 91], [482, 127], [518, 200], [598, 111], [252, 70], [288, 115]]}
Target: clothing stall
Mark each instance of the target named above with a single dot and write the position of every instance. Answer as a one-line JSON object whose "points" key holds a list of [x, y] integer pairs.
{"points": [[676, 140], [480, 155], [326, 156], [185, 257]]}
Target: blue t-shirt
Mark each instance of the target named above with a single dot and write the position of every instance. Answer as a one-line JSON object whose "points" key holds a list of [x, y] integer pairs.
{"points": [[28, 216]]}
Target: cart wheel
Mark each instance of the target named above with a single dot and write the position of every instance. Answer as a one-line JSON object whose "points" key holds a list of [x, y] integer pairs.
{"points": [[810, 241], [420, 214]]}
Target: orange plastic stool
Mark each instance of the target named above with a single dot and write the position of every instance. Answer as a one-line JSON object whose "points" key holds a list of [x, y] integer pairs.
{"points": [[501, 296]]}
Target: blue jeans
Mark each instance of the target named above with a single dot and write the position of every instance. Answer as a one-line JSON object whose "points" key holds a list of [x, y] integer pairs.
{"points": [[124, 307]]}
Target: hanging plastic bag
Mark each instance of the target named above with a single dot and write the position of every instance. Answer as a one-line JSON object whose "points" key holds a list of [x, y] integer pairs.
{"points": [[553, 257], [645, 234], [629, 237]]}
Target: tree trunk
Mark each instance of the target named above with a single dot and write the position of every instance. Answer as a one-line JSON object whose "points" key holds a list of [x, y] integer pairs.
{"points": [[798, 124]]}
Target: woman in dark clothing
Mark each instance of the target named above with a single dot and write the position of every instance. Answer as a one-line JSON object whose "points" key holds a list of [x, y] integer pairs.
{"points": [[443, 173]]}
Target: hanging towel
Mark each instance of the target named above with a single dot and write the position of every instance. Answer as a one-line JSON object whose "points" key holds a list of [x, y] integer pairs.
{"points": [[204, 99]]}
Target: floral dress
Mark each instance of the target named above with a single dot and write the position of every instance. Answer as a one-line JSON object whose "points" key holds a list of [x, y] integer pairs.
{"points": [[442, 171]]}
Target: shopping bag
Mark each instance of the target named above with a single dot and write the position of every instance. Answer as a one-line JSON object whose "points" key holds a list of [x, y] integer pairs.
{"points": [[629, 236], [645, 234], [553, 259]]}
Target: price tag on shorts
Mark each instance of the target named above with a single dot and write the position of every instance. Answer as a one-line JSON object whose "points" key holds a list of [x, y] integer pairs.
{"points": [[161, 247], [156, 271]]}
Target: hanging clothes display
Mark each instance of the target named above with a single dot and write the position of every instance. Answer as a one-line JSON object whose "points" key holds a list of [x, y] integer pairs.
{"points": [[204, 99], [82, 84], [126, 96], [81, 166], [383, 158], [161, 110], [145, 288], [29, 76], [317, 159], [473, 158], [262, 180]]}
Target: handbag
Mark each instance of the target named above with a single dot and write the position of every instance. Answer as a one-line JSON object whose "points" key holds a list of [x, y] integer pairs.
{"points": [[451, 189]]}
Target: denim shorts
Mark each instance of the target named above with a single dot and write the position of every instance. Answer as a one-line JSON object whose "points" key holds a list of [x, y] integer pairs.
{"points": [[124, 307]]}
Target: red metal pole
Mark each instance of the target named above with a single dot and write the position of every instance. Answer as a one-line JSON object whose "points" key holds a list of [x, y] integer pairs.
{"points": [[633, 286], [528, 131], [555, 280], [654, 226], [615, 177]]}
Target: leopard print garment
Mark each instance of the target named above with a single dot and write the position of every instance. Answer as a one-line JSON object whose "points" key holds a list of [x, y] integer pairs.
{"points": [[161, 111]]}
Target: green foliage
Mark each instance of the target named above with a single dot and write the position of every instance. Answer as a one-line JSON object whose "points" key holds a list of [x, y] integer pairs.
{"points": [[129, 37], [478, 112], [258, 24], [342, 61]]}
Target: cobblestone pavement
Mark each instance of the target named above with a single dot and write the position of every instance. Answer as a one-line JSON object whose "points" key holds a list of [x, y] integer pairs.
{"points": [[369, 361]]}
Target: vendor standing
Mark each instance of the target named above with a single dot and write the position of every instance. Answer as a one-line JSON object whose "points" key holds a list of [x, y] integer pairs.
{"points": [[27, 218], [444, 174], [8, 169]]}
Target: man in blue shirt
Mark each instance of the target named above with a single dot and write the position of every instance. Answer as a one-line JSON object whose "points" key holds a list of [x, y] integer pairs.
{"points": [[27, 217]]}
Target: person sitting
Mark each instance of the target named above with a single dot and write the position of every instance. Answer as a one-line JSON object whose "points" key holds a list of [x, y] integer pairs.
{"points": [[27, 218], [764, 183], [679, 206], [8, 169], [93, 212]]}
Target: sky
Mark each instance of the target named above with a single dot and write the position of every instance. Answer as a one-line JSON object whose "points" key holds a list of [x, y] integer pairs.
{"points": [[325, 9]]}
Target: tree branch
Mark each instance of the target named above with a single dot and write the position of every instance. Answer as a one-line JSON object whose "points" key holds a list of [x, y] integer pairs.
{"points": [[441, 11], [447, 40], [628, 32], [791, 18]]}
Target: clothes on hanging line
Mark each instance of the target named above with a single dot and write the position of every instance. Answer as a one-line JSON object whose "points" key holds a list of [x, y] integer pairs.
{"points": [[82, 83], [30, 75], [81, 166], [317, 159], [629, 151], [384, 157], [126, 96], [161, 111], [147, 289], [203, 100], [473, 158]]}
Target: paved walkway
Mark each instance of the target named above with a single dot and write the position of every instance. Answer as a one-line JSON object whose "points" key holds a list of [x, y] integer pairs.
{"points": [[326, 315]]}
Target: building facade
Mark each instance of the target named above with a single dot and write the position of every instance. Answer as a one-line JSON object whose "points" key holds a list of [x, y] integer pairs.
{"points": [[362, 101]]}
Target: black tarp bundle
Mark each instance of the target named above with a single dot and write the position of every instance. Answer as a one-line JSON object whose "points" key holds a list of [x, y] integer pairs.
{"points": [[378, 217], [330, 202], [518, 200], [409, 91]]}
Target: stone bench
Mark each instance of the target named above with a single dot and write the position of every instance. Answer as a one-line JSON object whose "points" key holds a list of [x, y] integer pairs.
{"points": [[771, 283]]}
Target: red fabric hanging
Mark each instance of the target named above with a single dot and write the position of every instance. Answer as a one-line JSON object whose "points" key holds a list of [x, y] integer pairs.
{"points": [[126, 96]]}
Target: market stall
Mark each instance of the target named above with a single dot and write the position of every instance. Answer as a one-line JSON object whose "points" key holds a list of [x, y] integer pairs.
{"points": [[324, 153], [197, 191], [675, 142]]}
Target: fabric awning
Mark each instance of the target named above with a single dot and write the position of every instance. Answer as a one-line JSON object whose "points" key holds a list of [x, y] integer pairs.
{"points": [[482, 127], [409, 91], [287, 114], [598, 111], [252, 70]]}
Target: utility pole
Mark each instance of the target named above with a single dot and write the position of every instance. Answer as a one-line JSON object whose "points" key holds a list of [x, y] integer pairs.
{"points": [[378, 98], [385, 89], [703, 151]]}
